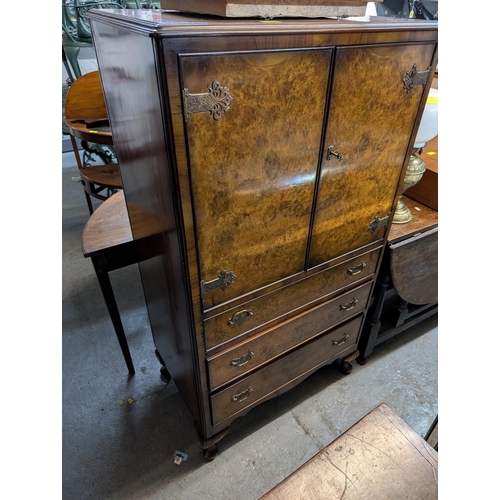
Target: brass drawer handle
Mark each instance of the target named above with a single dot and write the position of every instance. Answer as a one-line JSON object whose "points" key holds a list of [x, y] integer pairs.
{"points": [[341, 341], [238, 398], [356, 269], [331, 153], [350, 305], [243, 360], [240, 317]]}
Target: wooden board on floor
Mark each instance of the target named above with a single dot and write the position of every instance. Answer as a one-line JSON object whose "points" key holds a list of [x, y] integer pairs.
{"points": [[379, 457]]}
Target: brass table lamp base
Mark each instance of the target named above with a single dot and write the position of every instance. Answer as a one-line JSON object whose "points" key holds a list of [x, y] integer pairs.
{"points": [[414, 172]]}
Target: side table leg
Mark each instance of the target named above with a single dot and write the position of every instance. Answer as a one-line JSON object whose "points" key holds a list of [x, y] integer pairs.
{"points": [[109, 298]]}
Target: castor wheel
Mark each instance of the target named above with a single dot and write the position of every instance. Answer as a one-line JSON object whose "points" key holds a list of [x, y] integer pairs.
{"points": [[361, 360], [345, 367], [211, 452], [165, 375]]}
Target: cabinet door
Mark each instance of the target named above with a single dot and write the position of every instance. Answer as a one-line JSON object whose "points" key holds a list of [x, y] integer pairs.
{"points": [[253, 169], [370, 120]]}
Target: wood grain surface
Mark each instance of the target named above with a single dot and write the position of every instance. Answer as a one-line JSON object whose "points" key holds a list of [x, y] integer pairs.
{"points": [[370, 112], [109, 226], [253, 171], [379, 457]]}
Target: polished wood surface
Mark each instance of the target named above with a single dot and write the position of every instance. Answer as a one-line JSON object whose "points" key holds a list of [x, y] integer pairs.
{"points": [[264, 383], [370, 112], [85, 106], [287, 300], [253, 171], [85, 113], [134, 104], [381, 456], [235, 362], [106, 174], [108, 226], [239, 193], [423, 219]]}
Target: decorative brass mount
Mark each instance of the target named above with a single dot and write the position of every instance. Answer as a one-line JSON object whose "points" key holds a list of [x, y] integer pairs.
{"points": [[378, 222], [216, 101], [414, 77], [222, 282]]}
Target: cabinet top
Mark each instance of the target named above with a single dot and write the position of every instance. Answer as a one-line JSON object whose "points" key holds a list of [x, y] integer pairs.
{"points": [[175, 23]]}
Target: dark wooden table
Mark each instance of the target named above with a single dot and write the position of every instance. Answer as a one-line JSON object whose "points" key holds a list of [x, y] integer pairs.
{"points": [[381, 456], [107, 240]]}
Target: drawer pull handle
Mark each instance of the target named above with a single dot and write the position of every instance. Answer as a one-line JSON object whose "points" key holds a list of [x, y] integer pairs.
{"points": [[240, 317], [356, 269], [350, 305], [331, 153], [341, 341], [243, 360], [238, 398]]}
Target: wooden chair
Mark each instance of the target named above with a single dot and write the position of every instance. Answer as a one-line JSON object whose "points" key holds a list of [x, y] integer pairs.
{"points": [[87, 120]]}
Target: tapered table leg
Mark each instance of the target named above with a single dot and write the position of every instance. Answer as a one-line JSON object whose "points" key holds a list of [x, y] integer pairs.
{"points": [[109, 297]]}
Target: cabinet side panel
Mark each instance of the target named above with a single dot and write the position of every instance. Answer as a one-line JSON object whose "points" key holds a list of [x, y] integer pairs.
{"points": [[127, 63]]}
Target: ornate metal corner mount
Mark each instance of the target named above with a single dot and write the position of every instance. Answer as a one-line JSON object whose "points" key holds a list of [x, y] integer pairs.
{"points": [[378, 222], [414, 77], [216, 101], [222, 282]]}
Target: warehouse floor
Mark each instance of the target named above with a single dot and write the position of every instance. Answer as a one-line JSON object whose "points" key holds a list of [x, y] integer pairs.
{"points": [[120, 433]]}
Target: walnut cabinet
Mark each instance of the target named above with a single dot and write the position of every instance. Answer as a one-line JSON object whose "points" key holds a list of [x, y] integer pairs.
{"points": [[264, 158]]}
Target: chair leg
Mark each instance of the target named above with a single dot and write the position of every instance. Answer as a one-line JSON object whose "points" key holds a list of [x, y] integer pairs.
{"points": [[109, 298], [72, 56], [66, 67], [89, 200]]}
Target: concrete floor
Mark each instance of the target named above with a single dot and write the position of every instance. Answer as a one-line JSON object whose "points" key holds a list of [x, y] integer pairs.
{"points": [[120, 433]]}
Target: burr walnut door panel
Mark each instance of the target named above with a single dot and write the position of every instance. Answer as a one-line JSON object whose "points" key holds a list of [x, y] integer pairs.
{"points": [[253, 160], [371, 117]]}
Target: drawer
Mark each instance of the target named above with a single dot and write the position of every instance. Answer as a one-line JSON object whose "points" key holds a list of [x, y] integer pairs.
{"points": [[253, 315], [272, 343], [261, 384]]}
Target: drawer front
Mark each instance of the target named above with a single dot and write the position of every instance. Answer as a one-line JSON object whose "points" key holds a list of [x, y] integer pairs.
{"points": [[272, 343], [256, 313], [249, 391]]}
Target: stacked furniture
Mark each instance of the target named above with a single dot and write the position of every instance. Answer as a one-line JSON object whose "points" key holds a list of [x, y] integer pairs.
{"points": [[406, 291], [269, 157]]}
